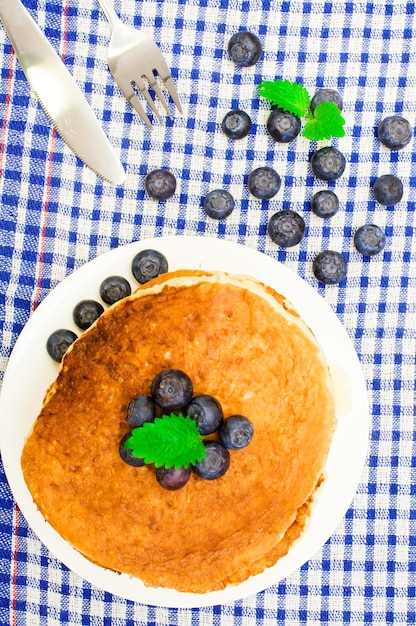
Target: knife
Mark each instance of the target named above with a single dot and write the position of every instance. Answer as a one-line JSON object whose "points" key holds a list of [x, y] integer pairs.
{"points": [[62, 100]]}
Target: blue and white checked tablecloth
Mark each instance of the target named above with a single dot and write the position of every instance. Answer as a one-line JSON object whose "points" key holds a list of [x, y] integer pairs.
{"points": [[56, 215]]}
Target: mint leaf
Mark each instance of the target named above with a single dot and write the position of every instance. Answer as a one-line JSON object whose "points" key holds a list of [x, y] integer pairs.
{"points": [[327, 122], [171, 441], [291, 97]]}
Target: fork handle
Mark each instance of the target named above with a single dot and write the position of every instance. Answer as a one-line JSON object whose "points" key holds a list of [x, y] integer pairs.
{"points": [[110, 13]]}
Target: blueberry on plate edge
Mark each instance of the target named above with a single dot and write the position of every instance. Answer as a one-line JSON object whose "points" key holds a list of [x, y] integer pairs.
{"points": [[148, 264], [114, 288], [86, 312], [58, 343]]}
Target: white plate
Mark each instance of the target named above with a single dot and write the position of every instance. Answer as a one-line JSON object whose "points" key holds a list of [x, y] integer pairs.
{"points": [[30, 371]]}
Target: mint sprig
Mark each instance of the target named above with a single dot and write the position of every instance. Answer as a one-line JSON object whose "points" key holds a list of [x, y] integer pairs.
{"points": [[326, 120], [170, 441], [291, 97]]}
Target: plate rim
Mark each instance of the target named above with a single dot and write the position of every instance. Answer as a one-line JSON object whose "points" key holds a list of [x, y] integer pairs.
{"points": [[295, 288]]}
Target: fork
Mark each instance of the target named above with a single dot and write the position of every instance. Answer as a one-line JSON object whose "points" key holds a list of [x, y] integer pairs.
{"points": [[133, 56]]}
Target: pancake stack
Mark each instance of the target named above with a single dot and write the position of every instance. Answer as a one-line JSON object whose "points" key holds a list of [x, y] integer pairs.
{"points": [[239, 341]]}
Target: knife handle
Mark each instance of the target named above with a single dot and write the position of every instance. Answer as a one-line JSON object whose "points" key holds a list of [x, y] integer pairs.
{"points": [[22, 31]]}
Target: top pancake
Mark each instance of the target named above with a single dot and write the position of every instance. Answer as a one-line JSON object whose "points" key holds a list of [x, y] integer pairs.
{"points": [[239, 341]]}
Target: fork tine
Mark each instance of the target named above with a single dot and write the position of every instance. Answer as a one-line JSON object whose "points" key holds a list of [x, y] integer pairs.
{"points": [[159, 93], [135, 103], [144, 91], [170, 86]]}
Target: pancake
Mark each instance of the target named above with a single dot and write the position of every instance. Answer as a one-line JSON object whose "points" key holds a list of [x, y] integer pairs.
{"points": [[239, 341]]}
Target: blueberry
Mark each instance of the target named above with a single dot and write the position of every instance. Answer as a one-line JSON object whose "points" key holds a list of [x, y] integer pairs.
{"points": [[264, 183], [207, 413], [148, 264], [394, 132], [328, 163], [86, 312], [236, 432], [140, 410], [236, 124], [114, 288], [330, 267], [325, 203], [244, 48], [215, 463], [286, 228], [218, 204], [283, 126], [326, 95], [160, 184], [388, 190], [58, 343], [126, 454], [369, 240], [172, 389], [173, 479]]}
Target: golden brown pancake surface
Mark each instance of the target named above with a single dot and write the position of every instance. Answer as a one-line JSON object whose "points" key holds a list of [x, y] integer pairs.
{"points": [[240, 342]]}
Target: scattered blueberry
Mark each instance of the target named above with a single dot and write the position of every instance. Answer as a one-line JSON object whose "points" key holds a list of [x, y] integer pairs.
{"points": [[394, 132], [58, 343], [244, 48], [114, 288], [126, 454], [207, 413], [86, 312], [286, 228], [215, 463], [172, 389], [325, 203], [282, 126], [330, 267], [328, 163], [326, 95], [140, 410], [236, 432], [388, 190], [264, 183], [369, 240], [218, 204], [148, 264], [236, 124], [160, 184], [173, 479]]}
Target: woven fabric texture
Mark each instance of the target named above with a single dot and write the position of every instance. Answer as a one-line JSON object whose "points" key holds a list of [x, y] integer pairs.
{"points": [[56, 215]]}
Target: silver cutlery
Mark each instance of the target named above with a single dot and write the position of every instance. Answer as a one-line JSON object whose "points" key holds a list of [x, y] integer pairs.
{"points": [[133, 57], [63, 101]]}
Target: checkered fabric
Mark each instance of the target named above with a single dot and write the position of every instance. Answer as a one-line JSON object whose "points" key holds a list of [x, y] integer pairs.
{"points": [[56, 215]]}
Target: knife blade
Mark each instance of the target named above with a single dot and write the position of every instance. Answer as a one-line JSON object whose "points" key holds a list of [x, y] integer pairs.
{"points": [[60, 96]]}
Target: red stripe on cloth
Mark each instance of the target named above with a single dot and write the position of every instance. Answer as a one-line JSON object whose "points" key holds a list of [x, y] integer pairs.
{"points": [[15, 543]]}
